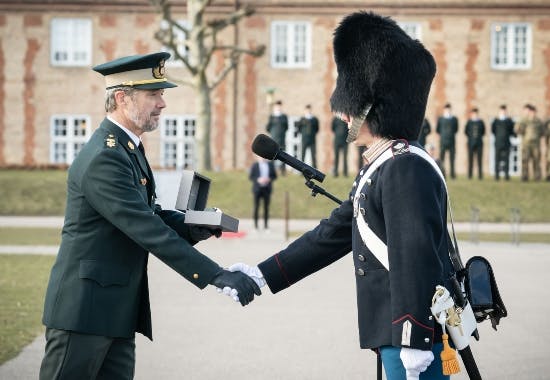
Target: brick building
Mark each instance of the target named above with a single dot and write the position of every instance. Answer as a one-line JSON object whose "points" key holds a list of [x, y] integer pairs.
{"points": [[488, 52]]}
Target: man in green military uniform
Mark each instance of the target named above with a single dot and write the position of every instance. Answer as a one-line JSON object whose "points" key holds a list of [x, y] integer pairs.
{"points": [[277, 125], [447, 127], [340, 130], [308, 127], [502, 128], [531, 129], [474, 131], [98, 296]]}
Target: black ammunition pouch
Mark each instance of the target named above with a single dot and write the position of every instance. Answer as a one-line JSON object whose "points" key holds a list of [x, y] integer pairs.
{"points": [[482, 291]]}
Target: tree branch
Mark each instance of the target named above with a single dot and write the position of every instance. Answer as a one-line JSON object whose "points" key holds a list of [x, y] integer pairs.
{"points": [[233, 59], [216, 25]]}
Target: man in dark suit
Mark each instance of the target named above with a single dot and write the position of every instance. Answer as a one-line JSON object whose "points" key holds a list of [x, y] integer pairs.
{"points": [[308, 127], [447, 127], [262, 174], [97, 296], [340, 130], [394, 221], [502, 128], [474, 131], [277, 125]]}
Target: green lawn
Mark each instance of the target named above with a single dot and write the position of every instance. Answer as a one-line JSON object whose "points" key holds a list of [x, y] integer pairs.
{"points": [[43, 192], [23, 280], [30, 236]]}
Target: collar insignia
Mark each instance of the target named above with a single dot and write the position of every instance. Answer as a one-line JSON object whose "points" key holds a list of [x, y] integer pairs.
{"points": [[131, 145]]}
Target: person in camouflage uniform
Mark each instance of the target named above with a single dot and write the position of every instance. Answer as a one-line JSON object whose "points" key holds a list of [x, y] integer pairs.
{"points": [[531, 129], [447, 127], [502, 128], [475, 130]]}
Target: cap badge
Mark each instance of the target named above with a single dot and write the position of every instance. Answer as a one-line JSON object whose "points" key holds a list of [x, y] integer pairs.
{"points": [[131, 145], [158, 72]]}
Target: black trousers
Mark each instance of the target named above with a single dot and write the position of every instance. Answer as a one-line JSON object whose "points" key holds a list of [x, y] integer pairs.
{"points": [[264, 195], [343, 149], [70, 355], [502, 155], [476, 151], [451, 150], [313, 149]]}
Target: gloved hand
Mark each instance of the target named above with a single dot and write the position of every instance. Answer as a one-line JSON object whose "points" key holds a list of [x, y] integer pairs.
{"points": [[415, 361], [200, 233], [240, 284], [253, 272]]}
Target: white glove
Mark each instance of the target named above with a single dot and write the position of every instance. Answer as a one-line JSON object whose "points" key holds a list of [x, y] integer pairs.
{"points": [[415, 361], [252, 272]]}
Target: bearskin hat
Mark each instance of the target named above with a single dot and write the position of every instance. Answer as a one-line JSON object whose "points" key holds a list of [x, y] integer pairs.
{"points": [[380, 66]]}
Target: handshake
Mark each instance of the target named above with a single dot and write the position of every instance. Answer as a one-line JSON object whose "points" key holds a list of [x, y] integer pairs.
{"points": [[240, 282]]}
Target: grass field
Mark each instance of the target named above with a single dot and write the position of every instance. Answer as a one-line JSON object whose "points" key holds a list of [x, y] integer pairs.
{"points": [[43, 192], [23, 280]]}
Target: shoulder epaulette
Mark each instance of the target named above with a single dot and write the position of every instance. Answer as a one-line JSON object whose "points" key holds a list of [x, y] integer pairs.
{"points": [[110, 141]]}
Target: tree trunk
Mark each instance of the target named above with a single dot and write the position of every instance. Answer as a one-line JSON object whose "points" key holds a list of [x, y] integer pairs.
{"points": [[203, 124]]}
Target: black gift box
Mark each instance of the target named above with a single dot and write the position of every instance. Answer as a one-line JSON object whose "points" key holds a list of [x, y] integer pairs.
{"points": [[192, 199]]}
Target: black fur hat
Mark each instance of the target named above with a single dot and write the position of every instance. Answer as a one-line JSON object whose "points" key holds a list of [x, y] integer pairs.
{"points": [[380, 65]]}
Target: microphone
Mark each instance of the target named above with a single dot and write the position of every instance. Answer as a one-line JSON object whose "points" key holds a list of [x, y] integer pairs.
{"points": [[268, 148]]}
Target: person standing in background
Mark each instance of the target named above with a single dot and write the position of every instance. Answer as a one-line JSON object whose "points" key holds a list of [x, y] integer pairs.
{"points": [[447, 127], [502, 128], [424, 132], [474, 131], [530, 128], [308, 127], [277, 125], [262, 174], [340, 130]]}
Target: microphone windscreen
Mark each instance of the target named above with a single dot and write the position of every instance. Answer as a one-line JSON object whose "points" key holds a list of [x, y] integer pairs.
{"points": [[264, 146]]}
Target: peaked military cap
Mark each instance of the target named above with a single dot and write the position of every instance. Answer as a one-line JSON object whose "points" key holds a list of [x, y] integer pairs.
{"points": [[381, 67], [144, 72]]}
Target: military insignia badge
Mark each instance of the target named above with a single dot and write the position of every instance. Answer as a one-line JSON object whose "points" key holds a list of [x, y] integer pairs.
{"points": [[131, 145], [158, 72], [399, 147], [110, 142], [143, 181]]}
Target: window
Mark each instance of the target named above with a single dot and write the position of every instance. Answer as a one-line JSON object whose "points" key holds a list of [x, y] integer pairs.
{"points": [[290, 44], [71, 42], [180, 39], [177, 143], [68, 134], [510, 46], [413, 29]]}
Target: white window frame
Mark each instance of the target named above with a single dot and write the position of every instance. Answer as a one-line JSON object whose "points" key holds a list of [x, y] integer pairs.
{"points": [[72, 143], [413, 29], [288, 45], [180, 39], [182, 140], [504, 46], [71, 42]]}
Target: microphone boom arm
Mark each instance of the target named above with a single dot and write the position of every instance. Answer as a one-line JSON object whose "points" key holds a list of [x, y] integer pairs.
{"points": [[316, 189]]}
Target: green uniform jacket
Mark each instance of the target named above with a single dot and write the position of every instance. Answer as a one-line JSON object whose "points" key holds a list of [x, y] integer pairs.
{"points": [[98, 284], [447, 127]]}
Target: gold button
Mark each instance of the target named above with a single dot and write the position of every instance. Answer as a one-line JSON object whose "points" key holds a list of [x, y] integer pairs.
{"points": [[361, 257], [195, 276], [360, 272]]}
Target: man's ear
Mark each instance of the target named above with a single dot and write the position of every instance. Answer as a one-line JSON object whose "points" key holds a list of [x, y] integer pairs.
{"points": [[120, 97]]}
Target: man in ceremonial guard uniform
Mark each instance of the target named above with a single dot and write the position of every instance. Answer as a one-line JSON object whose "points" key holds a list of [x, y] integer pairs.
{"points": [[395, 218]]}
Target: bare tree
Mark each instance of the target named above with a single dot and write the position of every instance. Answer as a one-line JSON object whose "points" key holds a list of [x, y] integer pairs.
{"points": [[201, 42]]}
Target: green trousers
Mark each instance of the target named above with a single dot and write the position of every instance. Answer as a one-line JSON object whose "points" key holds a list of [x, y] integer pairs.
{"points": [[70, 355]]}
